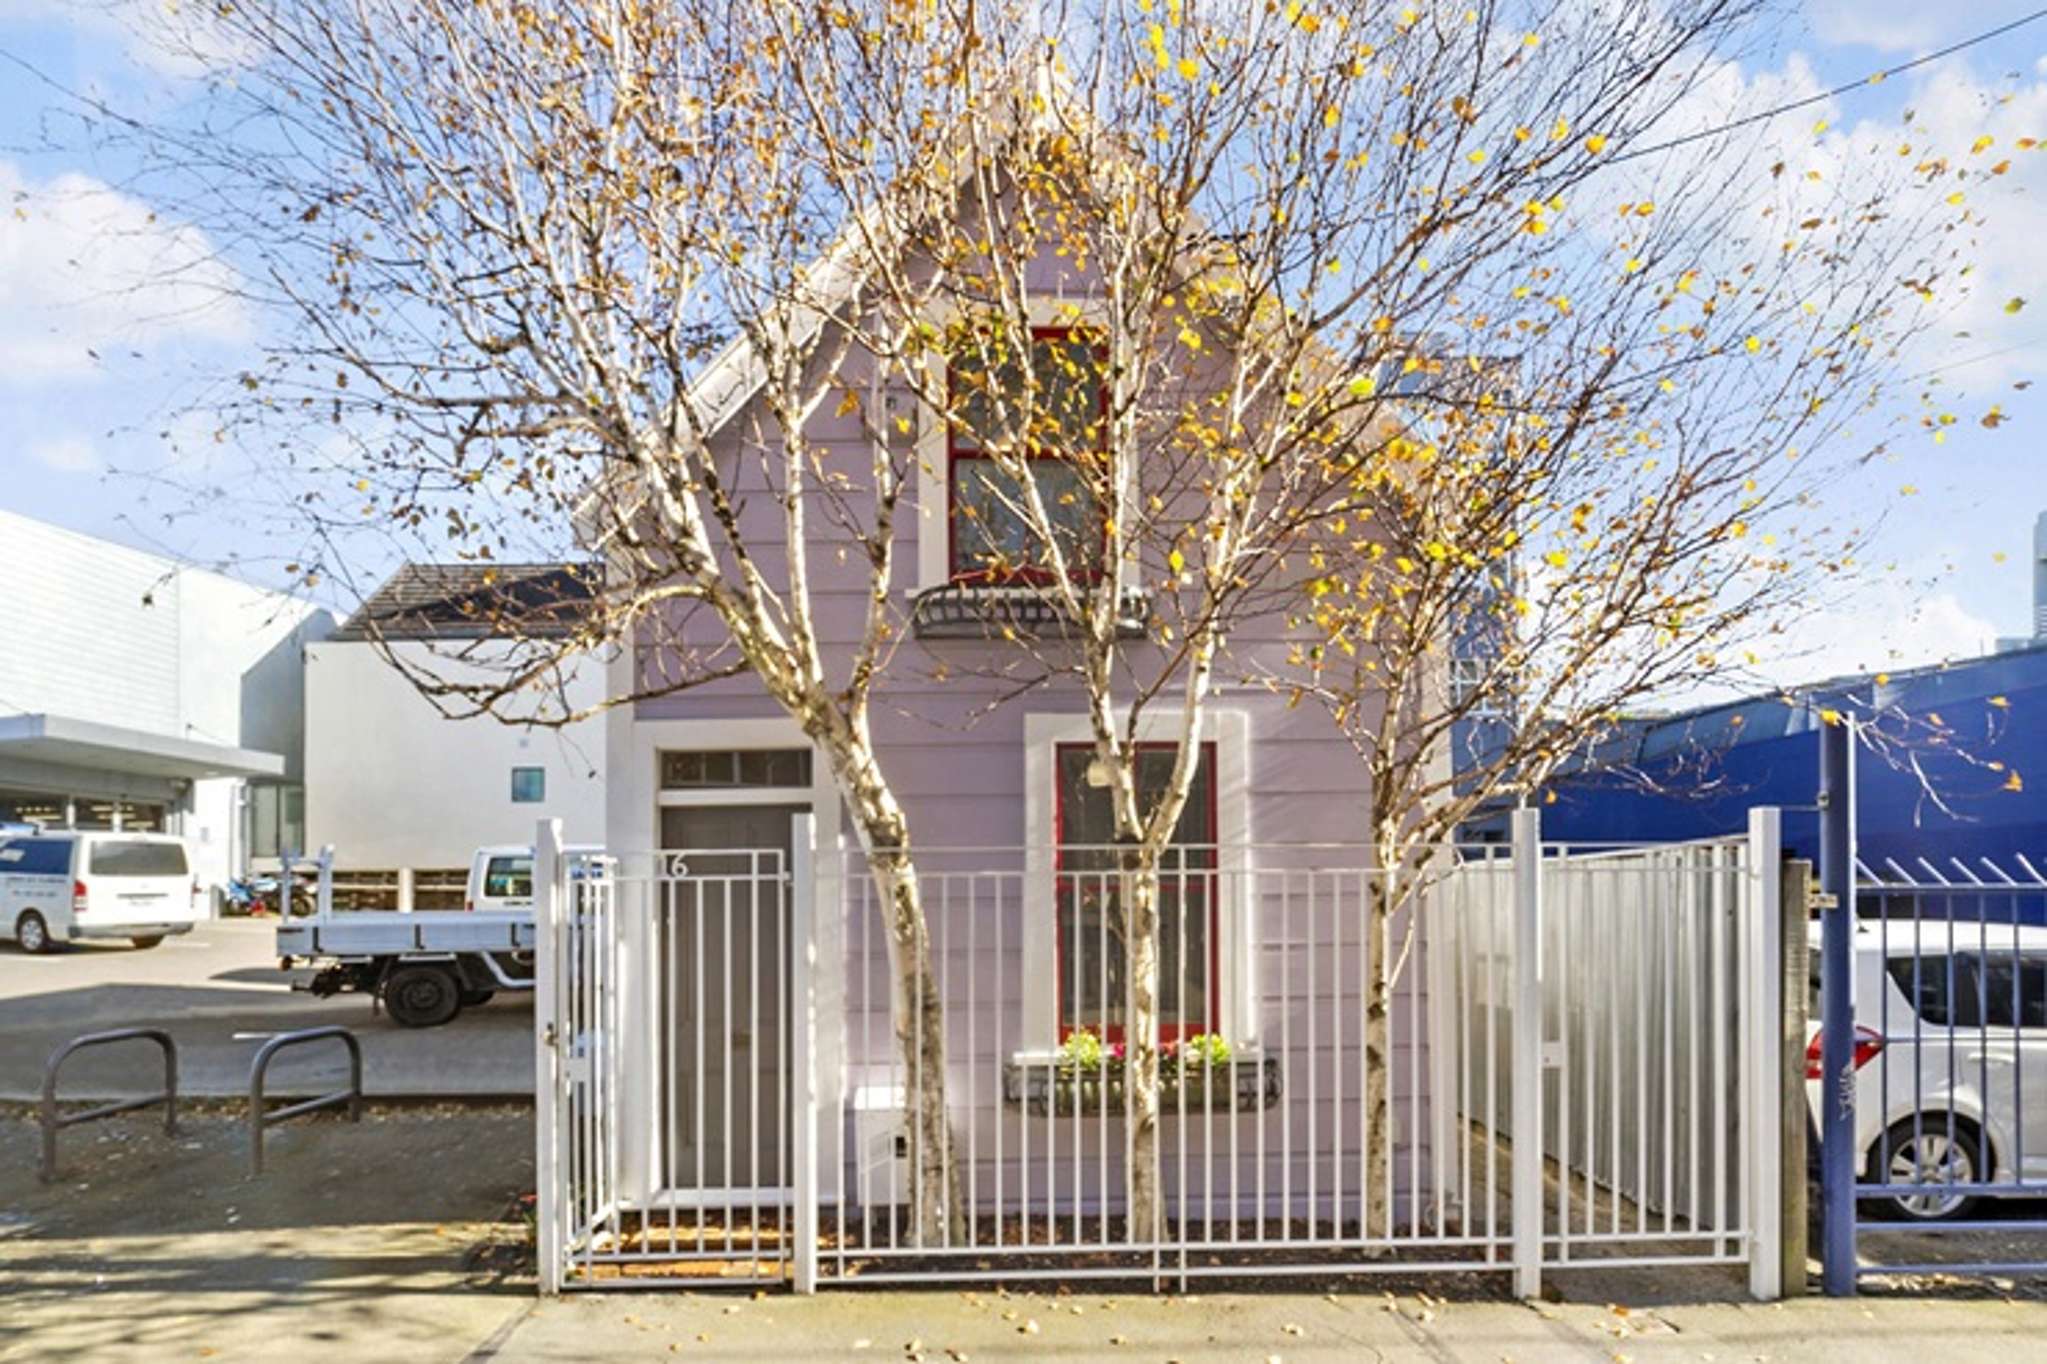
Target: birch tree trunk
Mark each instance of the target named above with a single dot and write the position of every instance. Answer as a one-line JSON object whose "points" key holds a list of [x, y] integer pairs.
{"points": [[1377, 1042], [1140, 900], [916, 1009]]}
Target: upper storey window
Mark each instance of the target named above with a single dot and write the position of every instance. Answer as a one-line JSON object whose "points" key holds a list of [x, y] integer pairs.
{"points": [[1045, 412]]}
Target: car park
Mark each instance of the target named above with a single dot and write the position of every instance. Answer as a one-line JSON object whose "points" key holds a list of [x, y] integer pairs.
{"points": [[62, 886]]}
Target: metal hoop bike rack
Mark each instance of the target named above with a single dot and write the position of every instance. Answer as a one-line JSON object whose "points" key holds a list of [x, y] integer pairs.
{"points": [[259, 1120], [54, 1122]]}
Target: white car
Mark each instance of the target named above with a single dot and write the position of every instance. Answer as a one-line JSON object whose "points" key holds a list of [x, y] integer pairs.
{"points": [[502, 877], [62, 886], [1950, 1060]]}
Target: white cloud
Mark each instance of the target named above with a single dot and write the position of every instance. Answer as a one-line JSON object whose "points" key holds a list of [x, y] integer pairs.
{"points": [[1885, 625], [66, 454], [1906, 25], [84, 268]]}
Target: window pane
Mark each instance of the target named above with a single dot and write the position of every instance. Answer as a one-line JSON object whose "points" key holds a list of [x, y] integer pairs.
{"points": [[753, 767], [508, 877], [138, 859], [529, 785], [1092, 985], [991, 532], [1929, 984], [263, 825]]}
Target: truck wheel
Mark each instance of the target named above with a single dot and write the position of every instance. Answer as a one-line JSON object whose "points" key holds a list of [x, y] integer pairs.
{"points": [[147, 940], [33, 934], [422, 996], [474, 998]]}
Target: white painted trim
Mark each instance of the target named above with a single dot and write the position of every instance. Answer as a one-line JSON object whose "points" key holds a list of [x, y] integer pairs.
{"points": [[1236, 983], [934, 511]]}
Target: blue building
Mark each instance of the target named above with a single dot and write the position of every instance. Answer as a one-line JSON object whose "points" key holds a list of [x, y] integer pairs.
{"points": [[1952, 770]]}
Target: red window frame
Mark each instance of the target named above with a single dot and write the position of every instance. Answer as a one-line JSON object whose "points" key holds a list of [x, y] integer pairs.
{"points": [[1169, 1030], [958, 572]]}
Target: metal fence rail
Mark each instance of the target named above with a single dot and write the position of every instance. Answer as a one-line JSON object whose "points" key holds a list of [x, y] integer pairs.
{"points": [[1949, 1083], [1494, 1060], [53, 1121]]}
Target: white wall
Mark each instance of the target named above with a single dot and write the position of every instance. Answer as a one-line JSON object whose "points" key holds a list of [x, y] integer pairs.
{"points": [[391, 782], [101, 632]]}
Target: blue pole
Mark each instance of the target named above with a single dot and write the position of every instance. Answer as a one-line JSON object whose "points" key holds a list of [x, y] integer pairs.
{"points": [[1837, 1011]]}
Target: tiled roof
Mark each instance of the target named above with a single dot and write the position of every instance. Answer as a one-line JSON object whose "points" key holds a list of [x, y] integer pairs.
{"points": [[475, 601]]}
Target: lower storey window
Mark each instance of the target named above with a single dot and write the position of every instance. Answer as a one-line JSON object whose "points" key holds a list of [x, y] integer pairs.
{"points": [[1093, 981]]}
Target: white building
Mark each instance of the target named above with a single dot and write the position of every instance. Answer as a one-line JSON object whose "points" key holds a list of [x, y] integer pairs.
{"points": [[138, 692], [404, 793]]}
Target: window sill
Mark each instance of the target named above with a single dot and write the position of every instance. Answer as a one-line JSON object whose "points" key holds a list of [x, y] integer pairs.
{"points": [[1042, 1082], [1011, 611]]}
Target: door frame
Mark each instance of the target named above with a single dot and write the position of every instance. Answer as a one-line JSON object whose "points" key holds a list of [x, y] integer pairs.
{"points": [[633, 802]]}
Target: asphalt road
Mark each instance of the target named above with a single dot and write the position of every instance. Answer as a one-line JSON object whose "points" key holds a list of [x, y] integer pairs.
{"points": [[219, 993]]}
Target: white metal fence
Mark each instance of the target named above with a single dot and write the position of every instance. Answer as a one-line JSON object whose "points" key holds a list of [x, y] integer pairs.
{"points": [[723, 1093]]}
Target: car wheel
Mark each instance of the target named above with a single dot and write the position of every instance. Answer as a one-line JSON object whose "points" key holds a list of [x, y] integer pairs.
{"points": [[147, 940], [33, 934], [421, 996], [473, 998], [1934, 1150]]}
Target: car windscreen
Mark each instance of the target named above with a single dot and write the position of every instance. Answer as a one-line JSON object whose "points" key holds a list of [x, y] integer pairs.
{"points": [[138, 859]]}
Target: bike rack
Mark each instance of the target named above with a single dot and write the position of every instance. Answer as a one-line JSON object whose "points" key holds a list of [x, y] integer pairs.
{"points": [[54, 1122], [259, 1119]]}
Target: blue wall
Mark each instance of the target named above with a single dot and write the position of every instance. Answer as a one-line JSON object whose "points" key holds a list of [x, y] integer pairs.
{"points": [[1695, 776]]}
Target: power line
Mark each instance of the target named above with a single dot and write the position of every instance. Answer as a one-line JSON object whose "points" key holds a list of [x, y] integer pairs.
{"points": [[1825, 95]]}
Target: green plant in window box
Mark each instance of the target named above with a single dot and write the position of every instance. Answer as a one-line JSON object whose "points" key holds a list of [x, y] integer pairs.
{"points": [[1087, 1076]]}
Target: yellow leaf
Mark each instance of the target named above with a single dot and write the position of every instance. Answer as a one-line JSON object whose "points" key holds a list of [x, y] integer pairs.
{"points": [[1190, 338], [1364, 386], [1596, 143], [849, 403], [1830, 717], [1754, 344], [1189, 68], [1981, 144], [1477, 157], [1176, 561], [1556, 558], [2002, 703], [2014, 305], [2013, 783]]}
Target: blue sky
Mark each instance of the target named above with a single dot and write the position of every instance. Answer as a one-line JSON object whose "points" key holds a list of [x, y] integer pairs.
{"points": [[93, 373]]}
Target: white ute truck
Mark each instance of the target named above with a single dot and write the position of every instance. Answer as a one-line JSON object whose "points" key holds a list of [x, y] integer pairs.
{"points": [[425, 967]]}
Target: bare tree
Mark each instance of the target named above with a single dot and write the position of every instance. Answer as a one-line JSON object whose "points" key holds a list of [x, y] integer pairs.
{"points": [[554, 278]]}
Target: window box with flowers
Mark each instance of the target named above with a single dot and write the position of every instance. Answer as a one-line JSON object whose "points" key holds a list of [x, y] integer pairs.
{"points": [[1201, 1074]]}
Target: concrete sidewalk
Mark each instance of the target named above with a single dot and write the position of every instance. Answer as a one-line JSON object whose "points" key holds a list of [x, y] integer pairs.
{"points": [[404, 1239], [1348, 1326]]}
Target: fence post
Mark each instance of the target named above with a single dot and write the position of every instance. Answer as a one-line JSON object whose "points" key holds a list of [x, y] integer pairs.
{"points": [[548, 917], [803, 988], [1529, 1202], [1837, 1009], [1794, 1114], [1762, 1011]]}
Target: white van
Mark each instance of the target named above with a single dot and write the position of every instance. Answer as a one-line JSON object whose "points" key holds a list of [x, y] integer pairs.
{"points": [[63, 886]]}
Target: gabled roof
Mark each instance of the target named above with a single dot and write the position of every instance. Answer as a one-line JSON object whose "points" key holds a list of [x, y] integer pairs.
{"points": [[476, 601]]}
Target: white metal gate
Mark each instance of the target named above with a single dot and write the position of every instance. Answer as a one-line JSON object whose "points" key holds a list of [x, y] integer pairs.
{"points": [[665, 1046], [1582, 1071]]}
